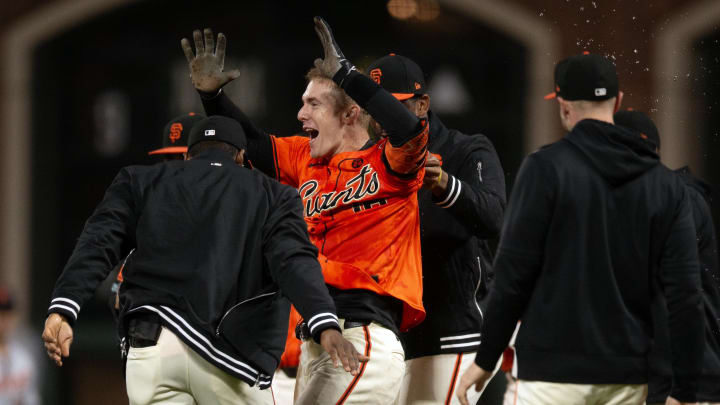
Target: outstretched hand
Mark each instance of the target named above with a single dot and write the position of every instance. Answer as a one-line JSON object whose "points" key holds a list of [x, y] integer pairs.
{"points": [[342, 351], [58, 336], [474, 375], [333, 60], [207, 63]]}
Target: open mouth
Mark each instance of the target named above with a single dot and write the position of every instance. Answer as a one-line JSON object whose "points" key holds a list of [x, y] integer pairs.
{"points": [[313, 133]]}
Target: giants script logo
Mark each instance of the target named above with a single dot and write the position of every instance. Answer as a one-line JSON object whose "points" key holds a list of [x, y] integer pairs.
{"points": [[375, 75], [175, 131], [365, 184]]}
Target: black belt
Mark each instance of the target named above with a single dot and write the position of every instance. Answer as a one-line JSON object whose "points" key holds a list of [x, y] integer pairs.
{"points": [[143, 329], [302, 331]]}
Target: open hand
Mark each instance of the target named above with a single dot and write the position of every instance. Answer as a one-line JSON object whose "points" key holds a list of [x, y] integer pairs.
{"points": [[58, 336], [333, 60], [474, 375], [342, 351], [207, 63]]}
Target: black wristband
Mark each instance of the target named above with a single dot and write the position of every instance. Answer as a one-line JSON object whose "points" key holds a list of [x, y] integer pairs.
{"points": [[209, 95]]}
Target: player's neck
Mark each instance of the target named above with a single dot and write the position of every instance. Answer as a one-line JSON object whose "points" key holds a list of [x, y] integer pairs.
{"points": [[354, 138]]}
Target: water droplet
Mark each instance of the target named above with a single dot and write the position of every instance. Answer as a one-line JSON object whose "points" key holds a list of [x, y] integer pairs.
{"points": [[541, 14], [633, 17], [594, 5], [635, 50]]}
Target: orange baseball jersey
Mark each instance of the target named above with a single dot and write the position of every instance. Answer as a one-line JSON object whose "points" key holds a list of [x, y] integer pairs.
{"points": [[363, 218]]}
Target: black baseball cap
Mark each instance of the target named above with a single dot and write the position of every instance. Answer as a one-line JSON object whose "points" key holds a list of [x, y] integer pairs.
{"points": [[218, 128], [585, 77], [399, 75], [640, 124], [175, 134]]}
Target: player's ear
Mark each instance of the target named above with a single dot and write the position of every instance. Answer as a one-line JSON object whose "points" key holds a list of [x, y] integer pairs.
{"points": [[423, 105], [240, 157], [351, 115]]}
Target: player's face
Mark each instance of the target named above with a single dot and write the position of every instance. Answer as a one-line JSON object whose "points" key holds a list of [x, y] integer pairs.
{"points": [[319, 119]]}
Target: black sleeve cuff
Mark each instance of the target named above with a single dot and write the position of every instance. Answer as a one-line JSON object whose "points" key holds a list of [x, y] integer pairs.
{"points": [[320, 322], [487, 358], [684, 389], [66, 307], [452, 193]]}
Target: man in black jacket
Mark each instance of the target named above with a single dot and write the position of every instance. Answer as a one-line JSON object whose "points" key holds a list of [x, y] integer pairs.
{"points": [[594, 223], [660, 382], [219, 250], [461, 206]]}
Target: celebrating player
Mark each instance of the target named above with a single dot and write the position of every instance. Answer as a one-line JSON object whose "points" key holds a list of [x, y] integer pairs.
{"points": [[361, 209]]}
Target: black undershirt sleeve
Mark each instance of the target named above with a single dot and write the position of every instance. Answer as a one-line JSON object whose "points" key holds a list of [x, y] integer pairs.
{"points": [[400, 124]]}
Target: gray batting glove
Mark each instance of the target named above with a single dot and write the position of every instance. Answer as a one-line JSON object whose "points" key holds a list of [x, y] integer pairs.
{"points": [[207, 63], [334, 65]]}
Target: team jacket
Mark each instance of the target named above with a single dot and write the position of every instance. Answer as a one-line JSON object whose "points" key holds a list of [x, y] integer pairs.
{"points": [[219, 250], [454, 228], [361, 210], [660, 384], [595, 230]]}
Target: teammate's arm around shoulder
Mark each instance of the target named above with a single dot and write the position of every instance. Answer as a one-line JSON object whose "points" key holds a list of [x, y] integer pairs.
{"points": [[293, 264], [407, 133]]}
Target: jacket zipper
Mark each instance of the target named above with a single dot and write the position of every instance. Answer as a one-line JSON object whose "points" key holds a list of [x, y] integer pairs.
{"points": [[477, 288], [217, 330]]}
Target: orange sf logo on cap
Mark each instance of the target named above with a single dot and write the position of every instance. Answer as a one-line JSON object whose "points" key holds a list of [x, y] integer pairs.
{"points": [[375, 75], [417, 86], [175, 131]]}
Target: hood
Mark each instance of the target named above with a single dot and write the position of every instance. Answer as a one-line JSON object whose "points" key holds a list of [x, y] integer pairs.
{"points": [[618, 154], [705, 189]]}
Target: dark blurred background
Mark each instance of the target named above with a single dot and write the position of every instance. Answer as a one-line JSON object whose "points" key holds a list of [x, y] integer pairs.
{"points": [[87, 86]]}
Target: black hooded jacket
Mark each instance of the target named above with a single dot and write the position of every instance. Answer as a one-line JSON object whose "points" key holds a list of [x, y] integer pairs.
{"points": [[595, 227], [660, 366]]}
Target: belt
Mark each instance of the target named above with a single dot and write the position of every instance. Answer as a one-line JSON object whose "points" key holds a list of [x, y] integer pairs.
{"points": [[143, 329]]}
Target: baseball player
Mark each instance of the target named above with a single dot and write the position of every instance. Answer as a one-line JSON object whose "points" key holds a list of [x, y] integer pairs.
{"points": [[592, 221], [361, 209], [661, 379], [204, 301], [461, 206]]}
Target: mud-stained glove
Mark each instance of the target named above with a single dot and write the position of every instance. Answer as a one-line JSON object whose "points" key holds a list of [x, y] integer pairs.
{"points": [[334, 65], [207, 63]]}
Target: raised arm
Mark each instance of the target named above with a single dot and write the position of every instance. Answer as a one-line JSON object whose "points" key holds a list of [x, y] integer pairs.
{"points": [[208, 76], [406, 132]]}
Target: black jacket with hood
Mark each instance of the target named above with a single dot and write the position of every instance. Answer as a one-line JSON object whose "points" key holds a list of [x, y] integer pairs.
{"points": [[595, 229], [660, 365], [219, 250], [454, 232]]}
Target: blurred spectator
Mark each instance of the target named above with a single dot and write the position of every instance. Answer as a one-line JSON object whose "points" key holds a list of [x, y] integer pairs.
{"points": [[18, 375]]}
